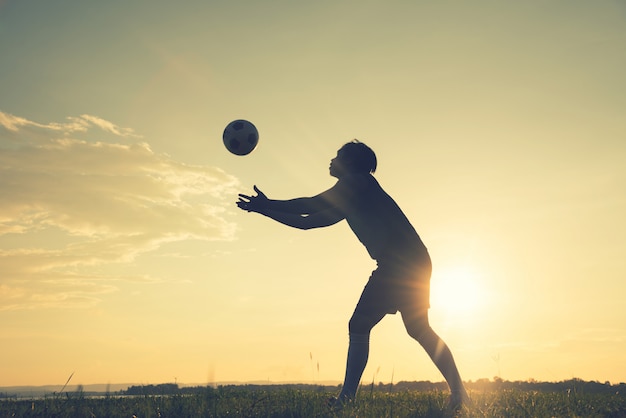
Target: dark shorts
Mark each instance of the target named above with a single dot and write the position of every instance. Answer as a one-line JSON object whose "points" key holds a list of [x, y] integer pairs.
{"points": [[392, 288]]}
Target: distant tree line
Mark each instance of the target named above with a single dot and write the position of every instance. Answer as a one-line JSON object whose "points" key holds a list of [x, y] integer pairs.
{"points": [[497, 384], [481, 385], [161, 389]]}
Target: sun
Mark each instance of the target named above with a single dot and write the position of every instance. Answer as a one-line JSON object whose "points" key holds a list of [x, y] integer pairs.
{"points": [[458, 291]]}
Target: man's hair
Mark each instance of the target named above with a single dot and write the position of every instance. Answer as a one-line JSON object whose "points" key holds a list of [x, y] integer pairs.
{"points": [[361, 157]]}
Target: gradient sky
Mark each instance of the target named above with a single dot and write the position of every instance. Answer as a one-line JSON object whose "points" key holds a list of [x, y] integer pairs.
{"points": [[499, 127]]}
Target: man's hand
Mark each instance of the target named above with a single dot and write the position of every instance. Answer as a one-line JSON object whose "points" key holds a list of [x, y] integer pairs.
{"points": [[253, 203]]}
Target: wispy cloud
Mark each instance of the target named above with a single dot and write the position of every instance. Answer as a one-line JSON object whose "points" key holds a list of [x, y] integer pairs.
{"points": [[105, 125], [72, 124], [71, 200]]}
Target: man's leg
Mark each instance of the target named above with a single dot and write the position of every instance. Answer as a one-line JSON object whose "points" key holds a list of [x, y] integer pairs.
{"points": [[358, 351], [418, 327]]}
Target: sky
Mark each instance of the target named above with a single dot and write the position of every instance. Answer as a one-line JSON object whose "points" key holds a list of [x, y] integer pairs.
{"points": [[499, 129]]}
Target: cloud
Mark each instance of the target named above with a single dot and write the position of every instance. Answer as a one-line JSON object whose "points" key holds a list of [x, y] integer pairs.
{"points": [[81, 123], [70, 203], [106, 125]]}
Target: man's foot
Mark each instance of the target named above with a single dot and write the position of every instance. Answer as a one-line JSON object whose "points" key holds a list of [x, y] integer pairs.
{"points": [[337, 403], [458, 400]]}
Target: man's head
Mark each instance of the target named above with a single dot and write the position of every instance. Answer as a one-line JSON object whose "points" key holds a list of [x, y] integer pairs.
{"points": [[353, 157]]}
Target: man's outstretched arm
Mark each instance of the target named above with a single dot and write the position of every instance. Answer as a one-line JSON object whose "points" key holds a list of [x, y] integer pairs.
{"points": [[294, 212], [298, 206], [317, 220]]}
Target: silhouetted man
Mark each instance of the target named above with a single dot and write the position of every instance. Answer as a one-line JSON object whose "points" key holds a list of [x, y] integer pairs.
{"points": [[401, 281]]}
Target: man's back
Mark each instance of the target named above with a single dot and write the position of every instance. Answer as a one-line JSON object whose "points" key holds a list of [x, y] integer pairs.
{"points": [[376, 219]]}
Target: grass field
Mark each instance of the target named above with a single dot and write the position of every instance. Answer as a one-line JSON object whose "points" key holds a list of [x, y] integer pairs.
{"points": [[242, 401]]}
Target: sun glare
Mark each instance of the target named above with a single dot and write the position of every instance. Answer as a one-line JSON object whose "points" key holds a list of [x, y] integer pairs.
{"points": [[457, 291]]}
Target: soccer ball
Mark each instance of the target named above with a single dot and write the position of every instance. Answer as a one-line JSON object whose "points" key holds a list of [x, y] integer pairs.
{"points": [[240, 137]]}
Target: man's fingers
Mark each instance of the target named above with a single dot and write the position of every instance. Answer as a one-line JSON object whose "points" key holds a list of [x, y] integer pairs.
{"points": [[258, 191]]}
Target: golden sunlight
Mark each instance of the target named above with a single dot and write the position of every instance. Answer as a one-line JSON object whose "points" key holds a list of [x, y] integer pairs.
{"points": [[457, 291]]}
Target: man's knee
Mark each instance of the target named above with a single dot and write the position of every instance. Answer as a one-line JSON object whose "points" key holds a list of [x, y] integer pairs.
{"points": [[361, 324], [417, 326]]}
